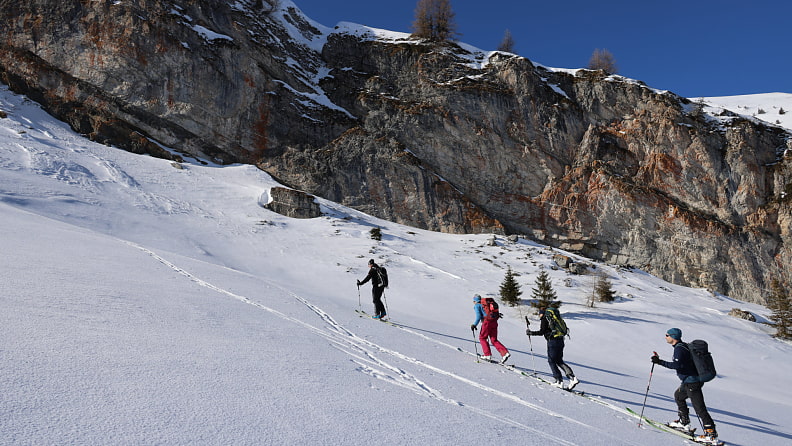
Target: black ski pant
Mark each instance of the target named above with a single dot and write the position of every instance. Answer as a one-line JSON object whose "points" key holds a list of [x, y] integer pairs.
{"points": [[692, 391], [376, 294], [555, 357]]}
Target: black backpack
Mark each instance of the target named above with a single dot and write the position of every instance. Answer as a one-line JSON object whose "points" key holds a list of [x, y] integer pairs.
{"points": [[702, 359], [383, 276]]}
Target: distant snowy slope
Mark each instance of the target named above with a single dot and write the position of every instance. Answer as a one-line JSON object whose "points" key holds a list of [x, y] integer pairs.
{"points": [[773, 108]]}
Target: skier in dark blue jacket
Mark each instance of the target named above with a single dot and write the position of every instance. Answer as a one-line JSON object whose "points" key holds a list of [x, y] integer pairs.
{"points": [[689, 388]]}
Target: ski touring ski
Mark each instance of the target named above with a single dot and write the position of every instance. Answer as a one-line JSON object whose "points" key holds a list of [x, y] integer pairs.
{"points": [[690, 432], [575, 391], [523, 372], [665, 428], [362, 313], [708, 442]]}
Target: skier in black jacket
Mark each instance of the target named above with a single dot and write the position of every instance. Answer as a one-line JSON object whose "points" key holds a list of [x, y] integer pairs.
{"points": [[377, 288], [555, 351]]}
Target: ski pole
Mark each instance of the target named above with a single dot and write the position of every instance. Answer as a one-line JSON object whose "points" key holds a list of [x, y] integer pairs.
{"points": [[385, 301], [475, 343], [530, 342], [651, 372], [359, 305]]}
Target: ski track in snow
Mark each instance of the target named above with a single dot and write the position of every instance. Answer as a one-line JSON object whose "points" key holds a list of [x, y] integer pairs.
{"points": [[424, 264], [365, 352], [432, 268], [93, 173]]}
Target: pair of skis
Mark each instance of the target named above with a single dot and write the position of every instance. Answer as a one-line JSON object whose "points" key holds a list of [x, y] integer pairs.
{"points": [[544, 381], [522, 371], [688, 435], [362, 313]]}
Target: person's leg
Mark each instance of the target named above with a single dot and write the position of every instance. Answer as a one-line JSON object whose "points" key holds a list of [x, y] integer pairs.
{"points": [[493, 337], [560, 359], [697, 400], [379, 308], [680, 396], [483, 338], [554, 354]]}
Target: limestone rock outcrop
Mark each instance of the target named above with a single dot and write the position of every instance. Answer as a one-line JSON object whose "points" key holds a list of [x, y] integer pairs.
{"points": [[292, 203], [437, 136]]}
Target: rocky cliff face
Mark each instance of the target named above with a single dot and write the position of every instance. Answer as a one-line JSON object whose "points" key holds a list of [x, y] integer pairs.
{"points": [[436, 136]]}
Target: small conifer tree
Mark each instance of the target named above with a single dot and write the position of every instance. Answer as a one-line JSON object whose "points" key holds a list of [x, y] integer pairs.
{"points": [[510, 290], [603, 289], [779, 304], [543, 294], [376, 234]]}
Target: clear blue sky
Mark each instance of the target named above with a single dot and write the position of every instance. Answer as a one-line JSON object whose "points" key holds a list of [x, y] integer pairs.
{"points": [[692, 47]]}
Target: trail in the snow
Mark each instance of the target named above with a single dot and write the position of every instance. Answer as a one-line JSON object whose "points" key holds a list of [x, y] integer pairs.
{"points": [[365, 354]]}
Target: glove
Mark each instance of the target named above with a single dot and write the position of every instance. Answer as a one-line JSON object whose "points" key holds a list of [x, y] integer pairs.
{"points": [[358, 282], [473, 327], [528, 332], [655, 359]]}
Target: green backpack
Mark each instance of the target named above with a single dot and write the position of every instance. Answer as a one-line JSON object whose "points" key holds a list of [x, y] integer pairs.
{"points": [[558, 327]]}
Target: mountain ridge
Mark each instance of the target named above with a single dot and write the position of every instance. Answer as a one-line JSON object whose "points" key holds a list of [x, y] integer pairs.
{"points": [[145, 303]]}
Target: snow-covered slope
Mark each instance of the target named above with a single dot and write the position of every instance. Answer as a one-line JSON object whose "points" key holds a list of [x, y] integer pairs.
{"points": [[148, 304], [773, 108]]}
